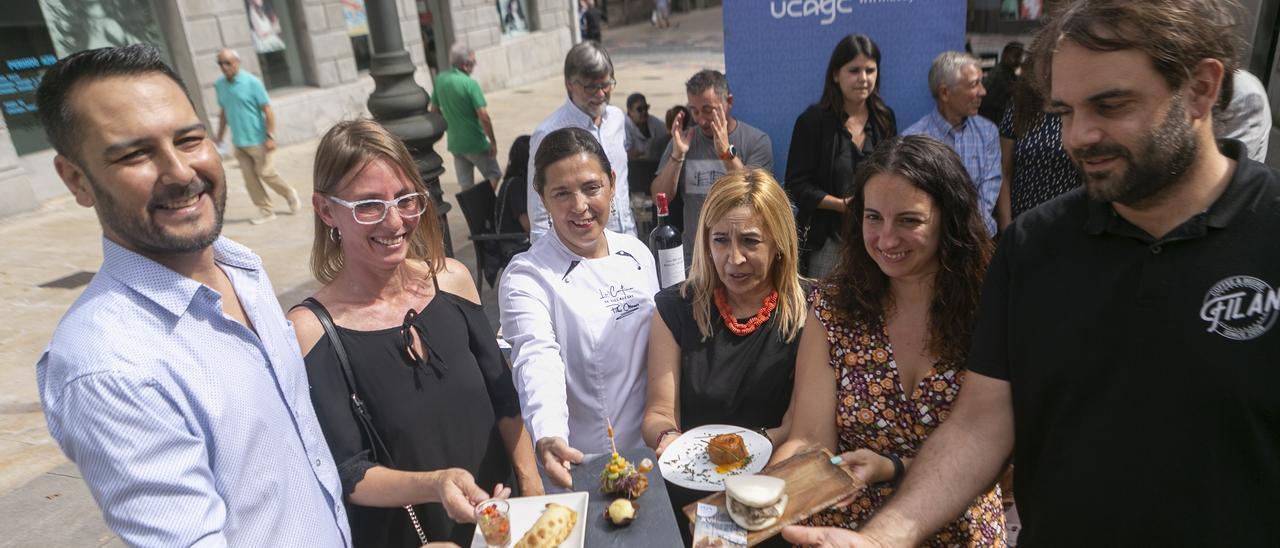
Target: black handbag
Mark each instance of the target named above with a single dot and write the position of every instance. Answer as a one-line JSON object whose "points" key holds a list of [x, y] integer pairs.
{"points": [[378, 450]]}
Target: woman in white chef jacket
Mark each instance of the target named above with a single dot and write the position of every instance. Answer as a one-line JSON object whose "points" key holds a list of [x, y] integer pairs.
{"points": [[576, 309]]}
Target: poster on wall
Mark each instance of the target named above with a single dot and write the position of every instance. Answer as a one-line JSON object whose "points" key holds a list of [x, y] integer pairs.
{"points": [[356, 16], [1030, 10], [512, 15], [26, 52], [1026, 10], [19, 76], [773, 80], [78, 25], [264, 26]]}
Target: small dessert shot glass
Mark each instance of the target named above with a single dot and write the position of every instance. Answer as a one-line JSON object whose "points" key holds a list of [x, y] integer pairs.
{"points": [[494, 524]]}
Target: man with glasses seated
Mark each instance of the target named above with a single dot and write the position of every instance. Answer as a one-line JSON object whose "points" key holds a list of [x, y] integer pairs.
{"points": [[696, 159], [588, 79], [642, 128]]}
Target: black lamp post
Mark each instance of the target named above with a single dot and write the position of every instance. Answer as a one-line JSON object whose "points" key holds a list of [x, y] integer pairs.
{"points": [[401, 105]]}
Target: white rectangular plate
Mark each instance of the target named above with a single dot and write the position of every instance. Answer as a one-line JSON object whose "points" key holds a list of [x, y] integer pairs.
{"points": [[525, 511]]}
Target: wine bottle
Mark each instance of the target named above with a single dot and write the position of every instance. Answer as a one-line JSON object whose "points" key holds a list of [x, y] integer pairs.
{"points": [[667, 246]]}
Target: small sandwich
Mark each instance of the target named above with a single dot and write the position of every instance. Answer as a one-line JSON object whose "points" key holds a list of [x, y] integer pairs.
{"points": [[755, 502]]}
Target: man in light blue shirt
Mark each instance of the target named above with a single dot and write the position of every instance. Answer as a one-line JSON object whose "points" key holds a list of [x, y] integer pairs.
{"points": [[174, 382], [955, 79], [247, 109], [588, 82]]}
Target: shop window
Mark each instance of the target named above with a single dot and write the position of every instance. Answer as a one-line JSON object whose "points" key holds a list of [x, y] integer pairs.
{"points": [[427, 24], [513, 16], [34, 34], [1024, 10], [272, 28], [358, 29]]}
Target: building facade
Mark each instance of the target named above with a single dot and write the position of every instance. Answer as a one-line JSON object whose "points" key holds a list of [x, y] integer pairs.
{"points": [[313, 56]]}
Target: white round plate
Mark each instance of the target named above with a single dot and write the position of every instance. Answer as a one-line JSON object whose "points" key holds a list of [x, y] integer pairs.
{"points": [[685, 462]]}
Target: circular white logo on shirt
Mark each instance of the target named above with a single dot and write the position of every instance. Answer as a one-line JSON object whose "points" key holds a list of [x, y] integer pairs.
{"points": [[1241, 308]]}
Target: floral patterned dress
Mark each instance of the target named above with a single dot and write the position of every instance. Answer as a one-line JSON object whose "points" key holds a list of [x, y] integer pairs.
{"points": [[873, 411]]}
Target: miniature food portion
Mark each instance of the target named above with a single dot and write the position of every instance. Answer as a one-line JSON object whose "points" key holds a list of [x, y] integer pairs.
{"points": [[619, 477], [727, 449], [621, 512], [645, 465], [551, 529], [495, 525], [754, 501]]}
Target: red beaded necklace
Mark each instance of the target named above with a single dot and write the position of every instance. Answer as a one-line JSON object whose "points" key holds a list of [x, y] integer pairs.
{"points": [[744, 329]]}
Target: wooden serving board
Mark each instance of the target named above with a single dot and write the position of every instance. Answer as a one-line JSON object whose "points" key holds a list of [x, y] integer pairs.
{"points": [[813, 485]]}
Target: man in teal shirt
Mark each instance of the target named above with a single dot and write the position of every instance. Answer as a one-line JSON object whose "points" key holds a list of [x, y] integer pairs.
{"points": [[247, 109], [471, 140]]}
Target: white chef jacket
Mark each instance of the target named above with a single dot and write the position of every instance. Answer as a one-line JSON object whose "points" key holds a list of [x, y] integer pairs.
{"points": [[579, 335]]}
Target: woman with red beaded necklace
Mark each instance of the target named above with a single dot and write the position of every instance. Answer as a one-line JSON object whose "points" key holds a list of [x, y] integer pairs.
{"points": [[722, 345]]}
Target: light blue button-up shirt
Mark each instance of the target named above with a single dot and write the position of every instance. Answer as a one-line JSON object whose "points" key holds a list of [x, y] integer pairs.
{"points": [[977, 142], [190, 428]]}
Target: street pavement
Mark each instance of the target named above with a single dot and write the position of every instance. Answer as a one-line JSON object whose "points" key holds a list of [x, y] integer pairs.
{"points": [[49, 254]]}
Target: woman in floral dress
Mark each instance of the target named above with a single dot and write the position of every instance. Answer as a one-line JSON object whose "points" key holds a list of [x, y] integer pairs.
{"points": [[896, 316]]}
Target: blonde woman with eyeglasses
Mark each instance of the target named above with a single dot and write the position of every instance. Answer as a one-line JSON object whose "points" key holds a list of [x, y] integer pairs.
{"points": [[439, 427]]}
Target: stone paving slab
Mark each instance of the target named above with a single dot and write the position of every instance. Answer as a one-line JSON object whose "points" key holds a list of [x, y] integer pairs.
{"points": [[55, 509]]}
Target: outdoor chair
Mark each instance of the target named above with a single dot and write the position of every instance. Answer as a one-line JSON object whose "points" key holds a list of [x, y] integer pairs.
{"points": [[493, 249]]}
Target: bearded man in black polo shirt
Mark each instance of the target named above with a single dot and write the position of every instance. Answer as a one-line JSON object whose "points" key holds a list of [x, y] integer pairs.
{"points": [[1127, 352]]}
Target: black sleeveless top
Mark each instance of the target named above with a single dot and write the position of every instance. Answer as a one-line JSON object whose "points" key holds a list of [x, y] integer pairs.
{"points": [[433, 415], [726, 379]]}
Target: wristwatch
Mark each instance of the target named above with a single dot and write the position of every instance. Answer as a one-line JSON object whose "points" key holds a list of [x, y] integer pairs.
{"points": [[728, 153]]}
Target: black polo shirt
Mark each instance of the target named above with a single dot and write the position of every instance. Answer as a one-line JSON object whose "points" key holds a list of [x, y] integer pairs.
{"points": [[1145, 372]]}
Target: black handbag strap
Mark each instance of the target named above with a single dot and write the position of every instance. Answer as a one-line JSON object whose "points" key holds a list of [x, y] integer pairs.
{"points": [[376, 447], [378, 450]]}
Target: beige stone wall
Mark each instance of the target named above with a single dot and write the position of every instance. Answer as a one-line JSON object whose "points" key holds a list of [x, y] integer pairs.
{"points": [[335, 90], [506, 61]]}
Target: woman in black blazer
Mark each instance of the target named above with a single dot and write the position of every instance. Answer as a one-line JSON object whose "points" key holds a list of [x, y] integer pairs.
{"points": [[829, 140]]}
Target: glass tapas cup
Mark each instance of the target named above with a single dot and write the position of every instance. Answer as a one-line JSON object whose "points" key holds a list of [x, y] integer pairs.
{"points": [[493, 521]]}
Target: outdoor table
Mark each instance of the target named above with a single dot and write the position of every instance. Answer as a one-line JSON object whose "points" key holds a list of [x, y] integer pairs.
{"points": [[655, 524]]}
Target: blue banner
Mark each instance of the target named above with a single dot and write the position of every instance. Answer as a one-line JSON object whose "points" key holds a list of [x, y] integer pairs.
{"points": [[776, 51]]}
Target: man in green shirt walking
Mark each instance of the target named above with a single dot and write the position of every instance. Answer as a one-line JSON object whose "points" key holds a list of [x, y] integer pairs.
{"points": [[247, 109], [471, 140]]}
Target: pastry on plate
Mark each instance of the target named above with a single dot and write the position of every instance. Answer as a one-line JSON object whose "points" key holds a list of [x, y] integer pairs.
{"points": [[551, 529]]}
